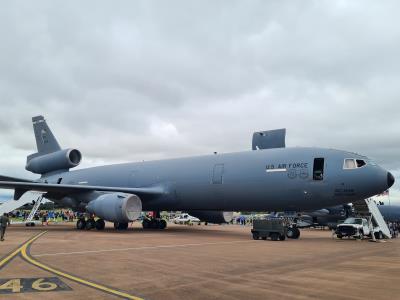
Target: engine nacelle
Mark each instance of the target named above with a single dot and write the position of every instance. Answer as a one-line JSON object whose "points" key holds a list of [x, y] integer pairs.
{"points": [[215, 217], [60, 160], [116, 207]]}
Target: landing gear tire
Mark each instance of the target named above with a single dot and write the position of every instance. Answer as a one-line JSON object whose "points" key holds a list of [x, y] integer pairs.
{"points": [[100, 224], [274, 236], [145, 224], [81, 224], [378, 235], [162, 224], [121, 226], [90, 224], [154, 224], [297, 231]]}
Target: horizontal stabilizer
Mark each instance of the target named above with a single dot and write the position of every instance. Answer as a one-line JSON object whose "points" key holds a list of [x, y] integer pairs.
{"points": [[269, 139], [71, 188]]}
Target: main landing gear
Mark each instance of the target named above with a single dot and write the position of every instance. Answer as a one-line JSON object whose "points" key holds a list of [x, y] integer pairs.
{"points": [[90, 223], [154, 222], [120, 226]]}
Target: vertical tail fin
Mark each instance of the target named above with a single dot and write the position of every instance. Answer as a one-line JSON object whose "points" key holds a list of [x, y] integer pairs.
{"points": [[45, 140], [50, 157]]}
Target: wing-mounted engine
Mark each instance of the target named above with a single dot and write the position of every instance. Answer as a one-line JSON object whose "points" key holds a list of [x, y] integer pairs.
{"points": [[215, 217], [50, 157], [116, 207]]}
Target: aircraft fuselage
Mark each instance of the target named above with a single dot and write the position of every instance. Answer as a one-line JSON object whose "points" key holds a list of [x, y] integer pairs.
{"points": [[263, 180]]}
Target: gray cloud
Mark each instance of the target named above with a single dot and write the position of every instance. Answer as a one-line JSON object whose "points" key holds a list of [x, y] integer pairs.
{"points": [[151, 79]]}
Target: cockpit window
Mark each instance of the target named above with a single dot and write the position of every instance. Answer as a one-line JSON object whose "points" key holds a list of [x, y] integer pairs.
{"points": [[360, 163], [351, 163]]}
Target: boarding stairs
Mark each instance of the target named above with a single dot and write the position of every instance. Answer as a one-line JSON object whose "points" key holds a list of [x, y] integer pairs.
{"points": [[367, 208], [34, 209]]}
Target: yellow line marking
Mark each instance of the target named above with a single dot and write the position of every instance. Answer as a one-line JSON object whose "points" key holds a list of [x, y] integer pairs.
{"points": [[25, 255], [23, 250], [18, 250]]}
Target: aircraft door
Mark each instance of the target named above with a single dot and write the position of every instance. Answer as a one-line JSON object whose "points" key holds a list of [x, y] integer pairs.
{"points": [[317, 188], [318, 169], [218, 173]]}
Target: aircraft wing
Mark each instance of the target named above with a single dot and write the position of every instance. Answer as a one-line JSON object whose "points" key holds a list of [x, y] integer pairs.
{"points": [[21, 187], [8, 178]]}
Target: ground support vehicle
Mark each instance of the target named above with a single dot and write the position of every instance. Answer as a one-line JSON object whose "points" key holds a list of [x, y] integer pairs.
{"points": [[353, 227], [275, 229]]}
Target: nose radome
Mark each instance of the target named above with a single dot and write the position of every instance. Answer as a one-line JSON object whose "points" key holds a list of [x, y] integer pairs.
{"points": [[390, 179]]}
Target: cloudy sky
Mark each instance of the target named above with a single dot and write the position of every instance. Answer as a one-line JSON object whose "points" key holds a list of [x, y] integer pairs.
{"points": [[140, 80]]}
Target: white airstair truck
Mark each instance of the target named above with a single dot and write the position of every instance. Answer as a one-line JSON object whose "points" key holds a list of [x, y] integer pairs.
{"points": [[368, 209], [28, 197]]}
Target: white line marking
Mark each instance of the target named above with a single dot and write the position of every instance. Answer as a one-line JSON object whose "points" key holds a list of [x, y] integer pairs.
{"points": [[276, 170], [139, 248]]}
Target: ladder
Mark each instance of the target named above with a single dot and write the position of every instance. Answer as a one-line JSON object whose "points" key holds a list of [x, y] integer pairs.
{"points": [[368, 208], [34, 209]]}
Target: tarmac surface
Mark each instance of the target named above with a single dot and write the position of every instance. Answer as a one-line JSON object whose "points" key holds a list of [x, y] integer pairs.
{"points": [[192, 262]]}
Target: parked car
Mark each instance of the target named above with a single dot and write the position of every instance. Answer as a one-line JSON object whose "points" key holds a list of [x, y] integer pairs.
{"points": [[185, 219]]}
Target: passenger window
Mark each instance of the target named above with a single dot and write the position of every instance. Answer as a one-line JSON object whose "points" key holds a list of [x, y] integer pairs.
{"points": [[360, 163], [349, 163], [318, 169]]}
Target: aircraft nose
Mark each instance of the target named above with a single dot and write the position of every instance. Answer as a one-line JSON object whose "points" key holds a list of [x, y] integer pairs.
{"points": [[390, 179]]}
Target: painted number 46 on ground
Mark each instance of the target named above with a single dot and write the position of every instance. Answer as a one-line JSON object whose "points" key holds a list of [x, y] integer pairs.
{"points": [[24, 285]]}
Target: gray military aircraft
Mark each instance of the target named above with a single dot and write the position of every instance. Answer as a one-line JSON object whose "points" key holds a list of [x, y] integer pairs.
{"points": [[272, 178], [391, 213], [331, 216]]}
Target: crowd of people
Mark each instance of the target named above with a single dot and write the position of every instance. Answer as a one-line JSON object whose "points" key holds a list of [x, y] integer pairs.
{"points": [[394, 228], [46, 215]]}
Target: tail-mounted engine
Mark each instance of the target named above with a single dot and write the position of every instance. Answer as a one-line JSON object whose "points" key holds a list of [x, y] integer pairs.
{"points": [[55, 161]]}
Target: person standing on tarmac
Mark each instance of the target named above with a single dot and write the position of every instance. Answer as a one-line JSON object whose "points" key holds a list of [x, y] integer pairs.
{"points": [[4, 221]]}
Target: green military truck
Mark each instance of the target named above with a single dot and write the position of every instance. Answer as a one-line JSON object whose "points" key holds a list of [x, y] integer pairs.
{"points": [[275, 229]]}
